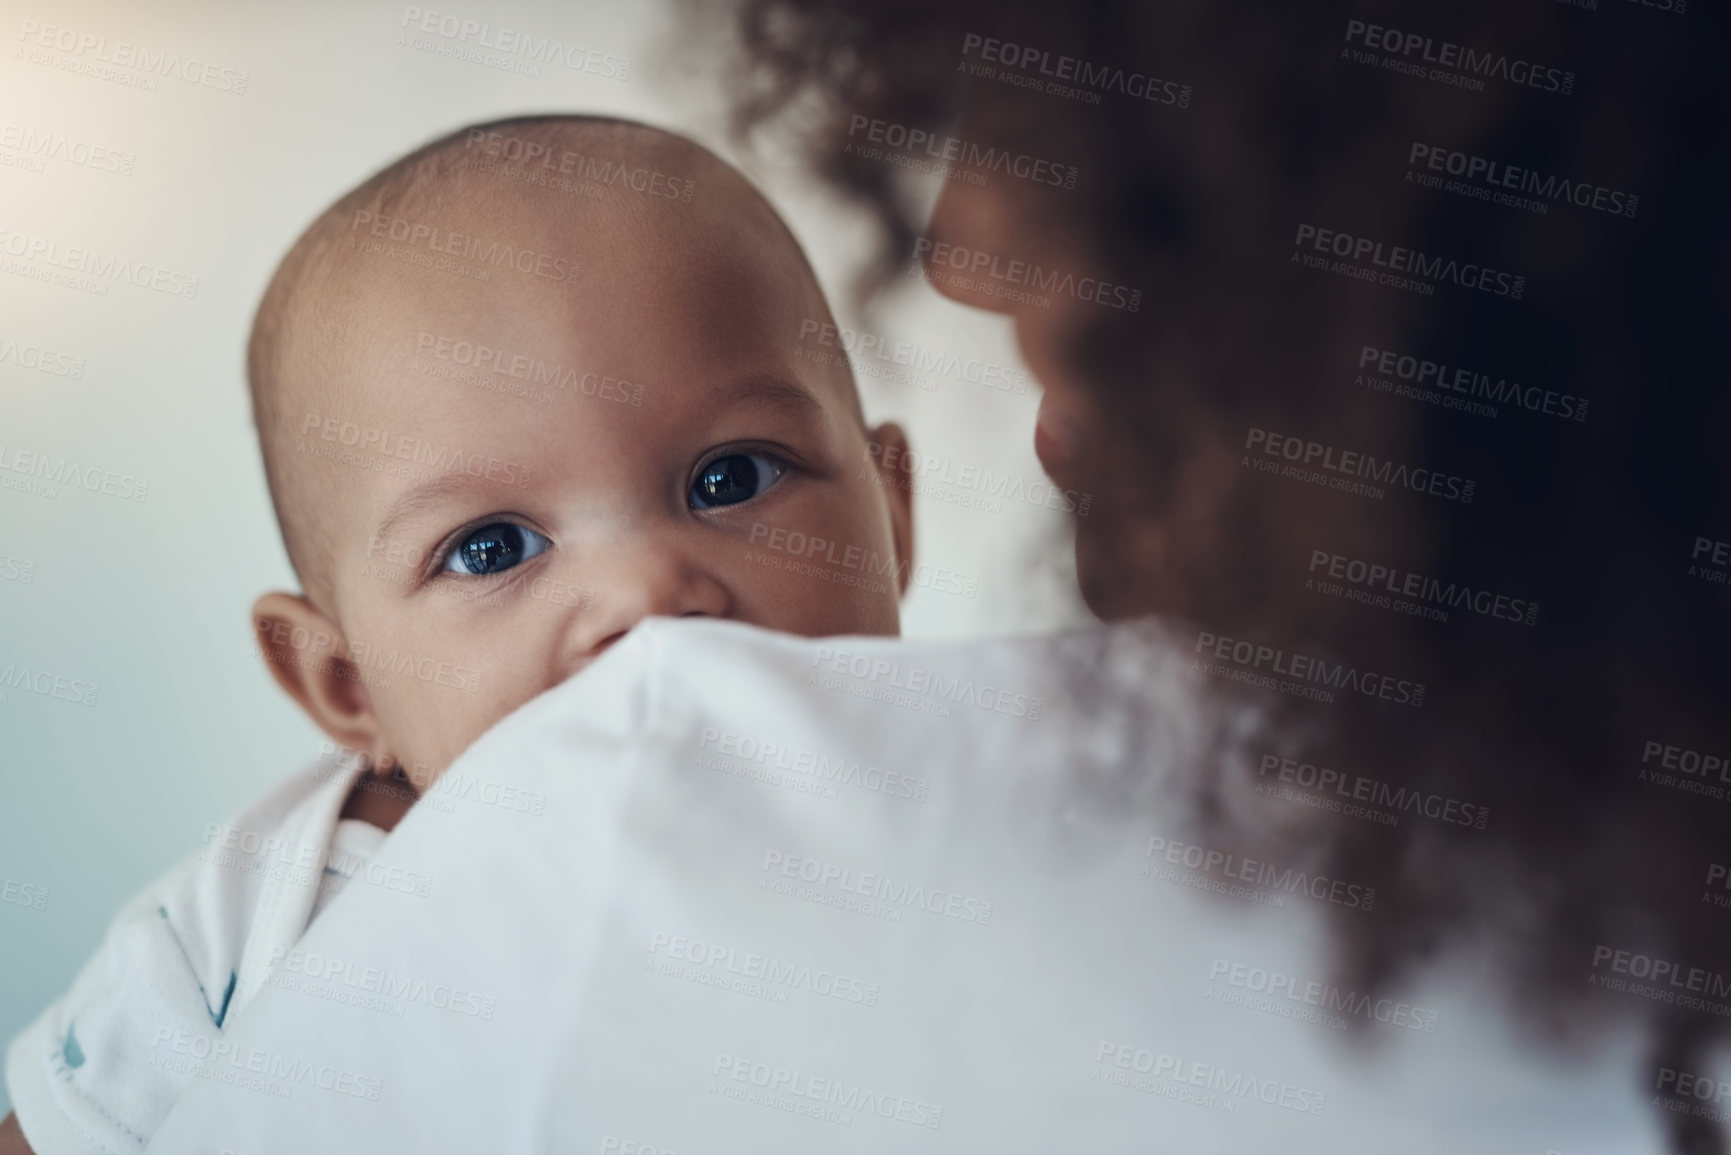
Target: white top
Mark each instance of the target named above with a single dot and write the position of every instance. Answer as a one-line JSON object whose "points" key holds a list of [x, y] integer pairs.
{"points": [[98, 1070], [732, 891]]}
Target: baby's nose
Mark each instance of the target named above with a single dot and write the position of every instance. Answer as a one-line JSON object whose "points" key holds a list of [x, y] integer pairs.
{"points": [[641, 581]]}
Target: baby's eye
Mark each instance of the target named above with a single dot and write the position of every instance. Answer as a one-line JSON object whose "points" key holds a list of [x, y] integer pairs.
{"points": [[735, 478], [495, 548]]}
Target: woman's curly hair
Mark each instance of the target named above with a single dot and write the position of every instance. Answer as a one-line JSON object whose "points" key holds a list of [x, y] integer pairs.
{"points": [[1594, 489]]}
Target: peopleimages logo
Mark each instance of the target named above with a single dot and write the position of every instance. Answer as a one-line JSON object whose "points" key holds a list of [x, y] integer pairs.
{"points": [[30, 356], [1301, 669], [1502, 180], [1387, 587], [836, 769], [303, 863], [1450, 385], [1265, 875], [864, 346], [1338, 785], [40, 146], [927, 682], [417, 234], [967, 153], [1661, 979], [534, 157], [1718, 552], [89, 269], [1141, 1069], [1682, 759], [1407, 268], [285, 640], [880, 888], [922, 470], [779, 975], [1348, 469], [53, 472], [1687, 1085], [17, 569], [977, 263], [1036, 63], [387, 443], [1456, 62], [20, 893], [854, 566], [513, 42], [86, 47], [1294, 992], [327, 969], [206, 1056], [795, 1091], [47, 683], [526, 367]]}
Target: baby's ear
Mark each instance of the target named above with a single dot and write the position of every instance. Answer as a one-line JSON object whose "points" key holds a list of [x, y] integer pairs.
{"points": [[309, 658], [892, 447]]}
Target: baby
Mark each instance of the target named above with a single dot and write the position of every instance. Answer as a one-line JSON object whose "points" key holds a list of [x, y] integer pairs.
{"points": [[527, 386]]}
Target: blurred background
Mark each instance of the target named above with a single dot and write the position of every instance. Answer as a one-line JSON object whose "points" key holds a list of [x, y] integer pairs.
{"points": [[102, 149]]}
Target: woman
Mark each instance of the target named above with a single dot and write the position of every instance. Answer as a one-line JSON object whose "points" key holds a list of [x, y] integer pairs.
{"points": [[1374, 336]]}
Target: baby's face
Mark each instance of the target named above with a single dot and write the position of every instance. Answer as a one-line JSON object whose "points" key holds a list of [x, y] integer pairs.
{"points": [[528, 466]]}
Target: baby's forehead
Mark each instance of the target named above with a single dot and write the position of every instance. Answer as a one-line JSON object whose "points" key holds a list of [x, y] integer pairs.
{"points": [[593, 320], [476, 260]]}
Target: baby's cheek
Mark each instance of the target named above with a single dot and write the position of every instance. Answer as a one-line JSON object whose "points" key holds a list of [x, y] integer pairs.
{"points": [[426, 726], [468, 713], [827, 596]]}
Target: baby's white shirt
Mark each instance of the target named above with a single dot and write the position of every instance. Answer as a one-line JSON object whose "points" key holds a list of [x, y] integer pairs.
{"points": [[98, 1070]]}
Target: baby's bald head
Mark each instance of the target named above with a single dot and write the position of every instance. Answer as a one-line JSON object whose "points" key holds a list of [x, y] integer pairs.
{"points": [[461, 228]]}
